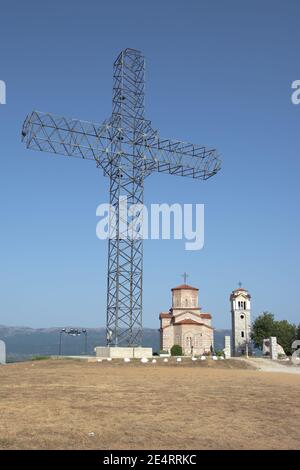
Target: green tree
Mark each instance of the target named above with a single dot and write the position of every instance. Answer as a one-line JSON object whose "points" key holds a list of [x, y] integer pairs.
{"points": [[262, 328], [286, 333], [176, 350], [298, 332], [265, 326]]}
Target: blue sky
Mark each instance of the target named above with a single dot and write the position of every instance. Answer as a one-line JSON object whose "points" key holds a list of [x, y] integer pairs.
{"points": [[219, 73]]}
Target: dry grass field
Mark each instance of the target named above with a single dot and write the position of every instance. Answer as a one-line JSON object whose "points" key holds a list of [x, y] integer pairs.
{"points": [[78, 405]]}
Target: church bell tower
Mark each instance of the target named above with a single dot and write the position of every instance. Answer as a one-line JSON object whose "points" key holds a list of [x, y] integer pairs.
{"points": [[240, 300]]}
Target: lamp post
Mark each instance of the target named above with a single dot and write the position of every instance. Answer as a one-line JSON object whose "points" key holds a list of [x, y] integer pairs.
{"points": [[60, 340], [72, 332], [85, 341]]}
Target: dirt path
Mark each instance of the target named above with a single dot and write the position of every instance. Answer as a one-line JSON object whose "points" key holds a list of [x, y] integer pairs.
{"points": [[266, 365]]}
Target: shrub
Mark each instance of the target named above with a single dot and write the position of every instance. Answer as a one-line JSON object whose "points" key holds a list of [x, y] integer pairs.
{"points": [[281, 356], [219, 353], [176, 350]]}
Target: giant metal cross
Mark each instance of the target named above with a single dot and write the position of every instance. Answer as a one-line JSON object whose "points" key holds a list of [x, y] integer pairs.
{"points": [[128, 149]]}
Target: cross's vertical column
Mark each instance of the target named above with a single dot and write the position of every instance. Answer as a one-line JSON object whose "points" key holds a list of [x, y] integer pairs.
{"points": [[125, 254]]}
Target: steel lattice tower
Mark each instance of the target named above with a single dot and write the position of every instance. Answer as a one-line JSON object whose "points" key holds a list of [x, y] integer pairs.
{"points": [[127, 149]]}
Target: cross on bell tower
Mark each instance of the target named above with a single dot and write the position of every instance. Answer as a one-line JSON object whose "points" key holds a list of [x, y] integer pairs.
{"points": [[185, 276]]}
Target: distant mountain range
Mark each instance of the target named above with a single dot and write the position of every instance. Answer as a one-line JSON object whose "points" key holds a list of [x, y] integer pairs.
{"points": [[23, 343]]}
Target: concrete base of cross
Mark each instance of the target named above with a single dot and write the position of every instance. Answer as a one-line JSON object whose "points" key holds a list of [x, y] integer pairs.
{"points": [[121, 352]]}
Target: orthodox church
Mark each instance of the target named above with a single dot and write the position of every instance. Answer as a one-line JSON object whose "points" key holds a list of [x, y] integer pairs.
{"points": [[185, 324]]}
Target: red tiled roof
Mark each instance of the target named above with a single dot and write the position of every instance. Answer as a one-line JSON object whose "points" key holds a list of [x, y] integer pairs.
{"points": [[184, 286], [186, 322], [234, 293], [189, 321], [165, 315], [185, 308], [205, 315]]}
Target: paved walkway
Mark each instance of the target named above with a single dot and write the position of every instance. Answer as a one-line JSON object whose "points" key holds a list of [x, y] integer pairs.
{"points": [[266, 365]]}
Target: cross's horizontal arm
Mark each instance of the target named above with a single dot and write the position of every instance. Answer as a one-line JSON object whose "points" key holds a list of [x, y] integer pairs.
{"points": [[180, 158], [165, 155], [72, 137]]}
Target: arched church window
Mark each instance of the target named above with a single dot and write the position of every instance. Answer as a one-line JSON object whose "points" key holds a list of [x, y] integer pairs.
{"points": [[197, 340], [242, 334]]}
